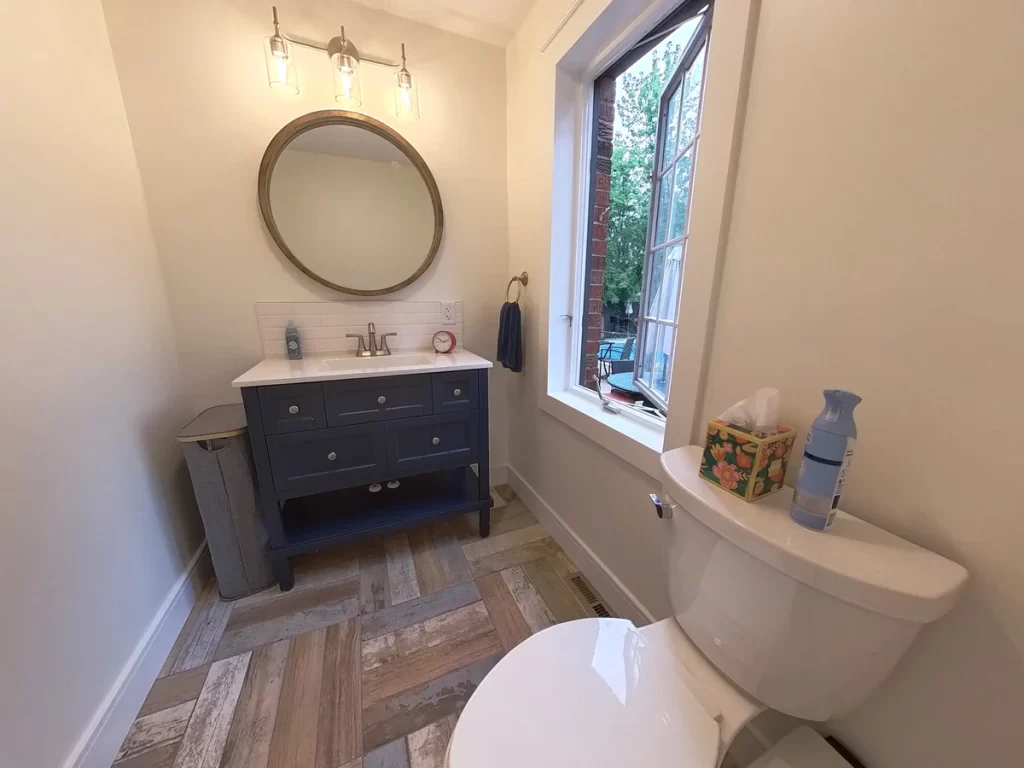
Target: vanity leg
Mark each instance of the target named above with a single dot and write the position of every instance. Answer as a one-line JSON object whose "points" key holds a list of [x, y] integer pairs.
{"points": [[484, 464], [282, 571]]}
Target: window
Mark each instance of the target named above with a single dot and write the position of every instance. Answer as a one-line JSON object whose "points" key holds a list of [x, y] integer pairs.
{"points": [[646, 132]]}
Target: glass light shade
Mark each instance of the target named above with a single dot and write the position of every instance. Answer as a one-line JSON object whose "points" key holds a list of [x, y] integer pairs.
{"points": [[347, 89], [345, 62], [281, 70], [407, 96]]}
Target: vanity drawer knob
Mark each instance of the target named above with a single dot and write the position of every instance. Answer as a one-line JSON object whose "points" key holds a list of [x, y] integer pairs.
{"points": [[457, 392], [382, 399], [293, 409], [332, 456], [436, 441]]}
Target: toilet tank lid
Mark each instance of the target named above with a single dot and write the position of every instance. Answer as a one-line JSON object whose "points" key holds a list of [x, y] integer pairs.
{"points": [[853, 561]]}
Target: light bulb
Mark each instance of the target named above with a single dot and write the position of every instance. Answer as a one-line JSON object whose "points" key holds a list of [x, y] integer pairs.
{"points": [[407, 98], [347, 89], [281, 71]]}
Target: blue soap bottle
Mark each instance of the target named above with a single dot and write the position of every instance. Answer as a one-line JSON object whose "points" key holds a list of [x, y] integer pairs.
{"points": [[292, 343], [826, 461]]}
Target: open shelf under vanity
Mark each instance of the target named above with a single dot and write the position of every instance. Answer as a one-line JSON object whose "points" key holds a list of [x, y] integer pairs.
{"points": [[312, 522]]}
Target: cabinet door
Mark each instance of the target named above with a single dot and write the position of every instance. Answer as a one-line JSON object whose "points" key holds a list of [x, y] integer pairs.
{"points": [[292, 407], [455, 391], [432, 442], [327, 459], [355, 401]]}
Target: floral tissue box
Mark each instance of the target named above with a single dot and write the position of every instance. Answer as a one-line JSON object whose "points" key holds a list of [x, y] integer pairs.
{"points": [[745, 462]]}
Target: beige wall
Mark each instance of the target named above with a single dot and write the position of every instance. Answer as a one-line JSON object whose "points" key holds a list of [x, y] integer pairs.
{"points": [[878, 206], [201, 115], [90, 475], [876, 221], [600, 497]]}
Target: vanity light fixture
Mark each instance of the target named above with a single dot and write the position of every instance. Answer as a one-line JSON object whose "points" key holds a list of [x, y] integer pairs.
{"points": [[407, 96], [345, 61]]}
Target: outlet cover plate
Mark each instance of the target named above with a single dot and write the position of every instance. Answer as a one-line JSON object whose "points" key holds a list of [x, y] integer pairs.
{"points": [[448, 313]]}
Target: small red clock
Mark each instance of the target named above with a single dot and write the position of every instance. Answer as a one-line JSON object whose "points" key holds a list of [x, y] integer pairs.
{"points": [[444, 342]]}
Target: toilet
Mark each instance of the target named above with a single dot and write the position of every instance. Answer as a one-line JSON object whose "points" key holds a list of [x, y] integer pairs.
{"points": [[766, 615]]}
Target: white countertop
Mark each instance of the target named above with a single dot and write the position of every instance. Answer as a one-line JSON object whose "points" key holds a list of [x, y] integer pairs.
{"points": [[281, 370]]}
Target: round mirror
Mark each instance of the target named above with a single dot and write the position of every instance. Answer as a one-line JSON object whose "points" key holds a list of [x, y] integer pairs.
{"points": [[350, 202]]}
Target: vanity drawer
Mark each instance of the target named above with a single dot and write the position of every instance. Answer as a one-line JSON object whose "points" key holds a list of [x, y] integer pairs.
{"points": [[292, 407], [433, 442], [355, 401], [455, 391], [327, 459]]}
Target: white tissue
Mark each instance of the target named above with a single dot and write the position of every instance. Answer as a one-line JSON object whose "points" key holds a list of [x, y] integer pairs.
{"points": [[760, 411]]}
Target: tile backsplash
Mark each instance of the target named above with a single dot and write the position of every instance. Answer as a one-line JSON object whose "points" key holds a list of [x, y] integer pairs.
{"points": [[323, 324]]}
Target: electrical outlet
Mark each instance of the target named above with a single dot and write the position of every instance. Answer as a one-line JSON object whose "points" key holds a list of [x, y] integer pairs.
{"points": [[448, 313]]}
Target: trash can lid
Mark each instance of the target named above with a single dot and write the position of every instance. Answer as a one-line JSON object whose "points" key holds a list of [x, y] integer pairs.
{"points": [[213, 423]]}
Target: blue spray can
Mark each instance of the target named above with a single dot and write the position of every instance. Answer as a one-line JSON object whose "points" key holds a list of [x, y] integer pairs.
{"points": [[827, 456]]}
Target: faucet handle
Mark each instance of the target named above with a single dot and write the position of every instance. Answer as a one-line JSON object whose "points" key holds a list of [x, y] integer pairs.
{"points": [[361, 351], [371, 328], [384, 343]]}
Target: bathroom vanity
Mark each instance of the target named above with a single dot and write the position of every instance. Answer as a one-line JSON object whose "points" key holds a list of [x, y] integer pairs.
{"points": [[324, 430]]}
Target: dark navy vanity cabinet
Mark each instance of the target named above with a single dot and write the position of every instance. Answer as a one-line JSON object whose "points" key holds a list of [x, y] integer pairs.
{"points": [[319, 446]]}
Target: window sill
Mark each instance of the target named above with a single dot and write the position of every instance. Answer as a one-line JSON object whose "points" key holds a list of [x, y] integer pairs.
{"points": [[631, 439]]}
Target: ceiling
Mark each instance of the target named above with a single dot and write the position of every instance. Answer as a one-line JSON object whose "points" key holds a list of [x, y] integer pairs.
{"points": [[490, 21]]}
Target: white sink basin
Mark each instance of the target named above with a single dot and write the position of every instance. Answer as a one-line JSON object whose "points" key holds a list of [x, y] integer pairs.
{"points": [[382, 362]]}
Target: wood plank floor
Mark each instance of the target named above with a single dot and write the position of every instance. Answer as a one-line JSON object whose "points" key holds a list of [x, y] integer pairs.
{"points": [[367, 662]]}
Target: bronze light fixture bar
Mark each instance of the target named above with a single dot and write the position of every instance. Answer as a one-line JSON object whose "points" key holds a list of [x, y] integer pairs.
{"points": [[345, 62]]}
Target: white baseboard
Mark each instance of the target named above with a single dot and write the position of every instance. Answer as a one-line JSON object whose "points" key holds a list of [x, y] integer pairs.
{"points": [[101, 739], [623, 602]]}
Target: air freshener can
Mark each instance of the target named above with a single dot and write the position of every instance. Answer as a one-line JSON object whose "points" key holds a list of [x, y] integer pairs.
{"points": [[826, 462]]}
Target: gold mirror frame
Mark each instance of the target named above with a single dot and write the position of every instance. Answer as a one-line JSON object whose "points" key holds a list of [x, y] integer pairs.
{"points": [[342, 117]]}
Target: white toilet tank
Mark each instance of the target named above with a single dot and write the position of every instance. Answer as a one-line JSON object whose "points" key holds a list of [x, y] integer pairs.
{"points": [[808, 623]]}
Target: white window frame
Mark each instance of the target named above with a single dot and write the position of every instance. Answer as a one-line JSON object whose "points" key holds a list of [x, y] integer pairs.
{"points": [[634, 437]]}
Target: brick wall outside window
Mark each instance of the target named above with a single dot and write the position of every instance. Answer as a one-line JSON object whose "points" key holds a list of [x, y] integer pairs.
{"points": [[601, 196]]}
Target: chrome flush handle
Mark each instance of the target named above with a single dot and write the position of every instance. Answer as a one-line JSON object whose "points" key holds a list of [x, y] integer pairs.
{"points": [[664, 511]]}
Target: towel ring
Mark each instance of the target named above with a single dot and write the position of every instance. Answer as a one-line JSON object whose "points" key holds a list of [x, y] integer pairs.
{"points": [[521, 280]]}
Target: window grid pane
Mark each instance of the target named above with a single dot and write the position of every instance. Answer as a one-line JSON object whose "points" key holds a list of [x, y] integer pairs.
{"points": [[659, 323], [672, 131], [680, 197], [664, 204], [692, 89]]}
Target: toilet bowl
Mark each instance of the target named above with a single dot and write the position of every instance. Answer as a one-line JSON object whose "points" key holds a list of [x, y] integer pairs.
{"points": [[766, 614]]}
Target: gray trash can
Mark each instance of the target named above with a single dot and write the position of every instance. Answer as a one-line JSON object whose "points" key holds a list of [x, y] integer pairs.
{"points": [[216, 445]]}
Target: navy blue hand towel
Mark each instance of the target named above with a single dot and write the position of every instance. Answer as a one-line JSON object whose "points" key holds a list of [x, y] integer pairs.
{"points": [[510, 337]]}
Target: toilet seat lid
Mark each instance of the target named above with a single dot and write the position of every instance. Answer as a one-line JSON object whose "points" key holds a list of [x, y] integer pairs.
{"points": [[592, 692]]}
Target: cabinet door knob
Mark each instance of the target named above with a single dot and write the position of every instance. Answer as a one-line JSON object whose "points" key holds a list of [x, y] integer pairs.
{"points": [[436, 441], [293, 409], [332, 456], [457, 392], [382, 399]]}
